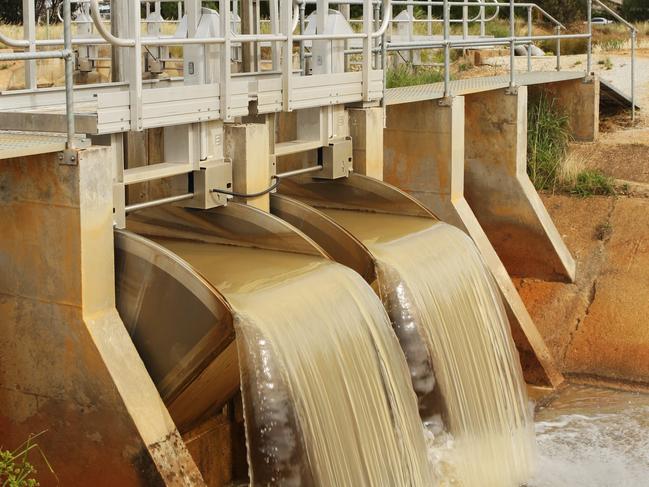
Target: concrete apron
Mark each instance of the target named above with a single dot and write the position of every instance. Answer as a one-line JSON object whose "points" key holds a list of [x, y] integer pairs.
{"points": [[424, 155], [67, 364]]}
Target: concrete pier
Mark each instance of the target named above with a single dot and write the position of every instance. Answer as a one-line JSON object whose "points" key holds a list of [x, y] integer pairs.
{"points": [[67, 365], [501, 194], [424, 155]]}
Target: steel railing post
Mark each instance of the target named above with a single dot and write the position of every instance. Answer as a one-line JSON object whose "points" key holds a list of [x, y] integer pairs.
{"points": [[512, 45], [69, 73], [589, 52], [530, 31], [558, 29], [367, 47], [633, 41], [447, 49]]}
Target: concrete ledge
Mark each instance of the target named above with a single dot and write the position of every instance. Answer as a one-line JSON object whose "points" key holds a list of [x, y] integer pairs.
{"points": [[501, 194]]}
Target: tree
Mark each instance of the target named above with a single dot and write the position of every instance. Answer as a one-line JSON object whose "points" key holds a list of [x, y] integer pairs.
{"points": [[565, 11], [635, 10], [11, 11]]}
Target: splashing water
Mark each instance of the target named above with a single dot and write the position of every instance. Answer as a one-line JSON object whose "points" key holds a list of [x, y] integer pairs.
{"points": [[432, 279], [590, 437], [327, 395]]}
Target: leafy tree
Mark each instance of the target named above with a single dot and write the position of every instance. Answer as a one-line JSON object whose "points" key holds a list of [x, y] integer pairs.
{"points": [[565, 11], [11, 11], [635, 9]]}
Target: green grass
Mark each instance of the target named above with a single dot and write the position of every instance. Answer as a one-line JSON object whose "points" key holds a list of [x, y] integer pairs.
{"points": [[15, 468], [548, 135], [607, 63], [592, 182], [406, 75]]}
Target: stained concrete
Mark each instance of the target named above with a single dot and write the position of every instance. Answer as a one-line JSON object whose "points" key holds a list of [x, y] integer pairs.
{"points": [[501, 194], [424, 155], [366, 130], [67, 364], [579, 100], [612, 340], [597, 327]]}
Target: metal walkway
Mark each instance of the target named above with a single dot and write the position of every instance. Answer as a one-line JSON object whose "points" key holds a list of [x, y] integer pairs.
{"points": [[22, 144], [435, 91]]}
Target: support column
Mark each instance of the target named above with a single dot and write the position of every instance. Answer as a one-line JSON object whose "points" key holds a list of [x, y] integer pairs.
{"points": [[366, 130], [501, 194], [247, 145], [579, 100], [67, 364], [424, 155]]}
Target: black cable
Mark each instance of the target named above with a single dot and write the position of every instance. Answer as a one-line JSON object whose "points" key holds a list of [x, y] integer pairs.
{"points": [[249, 195]]}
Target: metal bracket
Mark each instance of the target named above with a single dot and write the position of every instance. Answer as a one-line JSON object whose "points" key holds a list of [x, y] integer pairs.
{"points": [[588, 79], [69, 157], [445, 102], [511, 90]]}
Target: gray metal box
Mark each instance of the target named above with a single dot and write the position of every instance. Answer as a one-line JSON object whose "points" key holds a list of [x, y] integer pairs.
{"points": [[337, 160]]}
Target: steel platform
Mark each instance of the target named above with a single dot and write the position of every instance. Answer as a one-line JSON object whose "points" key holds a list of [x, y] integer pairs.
{"points": [[22, 144], [435, 91]]}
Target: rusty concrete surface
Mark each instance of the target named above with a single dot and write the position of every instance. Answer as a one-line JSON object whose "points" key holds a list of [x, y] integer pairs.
{"points": [[67, 365], [501, 194], [612, 340], [579, 100], [597, 327]]}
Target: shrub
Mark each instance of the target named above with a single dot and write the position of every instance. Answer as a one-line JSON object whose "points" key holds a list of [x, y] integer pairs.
{"points": [[548, 135]]}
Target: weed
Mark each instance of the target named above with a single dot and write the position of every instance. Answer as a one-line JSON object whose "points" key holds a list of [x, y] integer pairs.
{"points": [[593, 182], [606, 63], [4, 66], [603, 231], [548, 136], [407, 75], [15, 468]]}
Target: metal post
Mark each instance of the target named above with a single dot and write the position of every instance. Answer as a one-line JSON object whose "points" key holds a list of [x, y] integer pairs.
{"points": [[287, 54], [633, 40], [558, 29], [589, 52], [512, 46], [367, 47], [465, 21], [483, 30], [530, 31], [29, 31], [69, 73], [429, 18], [447, 50], [377, 25], [302, 30], [226, 53]]}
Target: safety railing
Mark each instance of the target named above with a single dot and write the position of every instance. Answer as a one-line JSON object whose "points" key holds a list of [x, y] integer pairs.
{"points": [[288, 30], [66, 54]]}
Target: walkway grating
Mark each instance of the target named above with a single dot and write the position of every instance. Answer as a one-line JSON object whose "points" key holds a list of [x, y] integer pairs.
{"points": [[435, 91]]}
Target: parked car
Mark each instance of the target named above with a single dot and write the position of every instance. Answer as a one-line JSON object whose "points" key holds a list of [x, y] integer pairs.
{"points": [[601, 21]]}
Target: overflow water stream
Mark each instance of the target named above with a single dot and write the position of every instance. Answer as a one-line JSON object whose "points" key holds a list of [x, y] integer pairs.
{"points": [[433, 281], [327, 393]]}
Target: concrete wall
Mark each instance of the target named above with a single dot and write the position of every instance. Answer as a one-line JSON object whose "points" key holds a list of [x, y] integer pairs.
{"points": [[501, 194], [67, 364], [579, 100]]}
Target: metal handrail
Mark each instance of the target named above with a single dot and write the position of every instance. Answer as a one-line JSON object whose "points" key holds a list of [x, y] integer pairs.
{"points": [[68, 56]]}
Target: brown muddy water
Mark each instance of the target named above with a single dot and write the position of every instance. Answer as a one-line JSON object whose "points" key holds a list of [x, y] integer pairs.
{"points": [[326, 391]]}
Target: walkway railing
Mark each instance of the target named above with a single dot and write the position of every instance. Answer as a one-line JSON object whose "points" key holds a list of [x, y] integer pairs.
{"points": [[287, 31]]}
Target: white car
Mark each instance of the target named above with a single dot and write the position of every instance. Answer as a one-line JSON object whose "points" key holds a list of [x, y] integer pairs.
{"points": [[601, 21]]}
